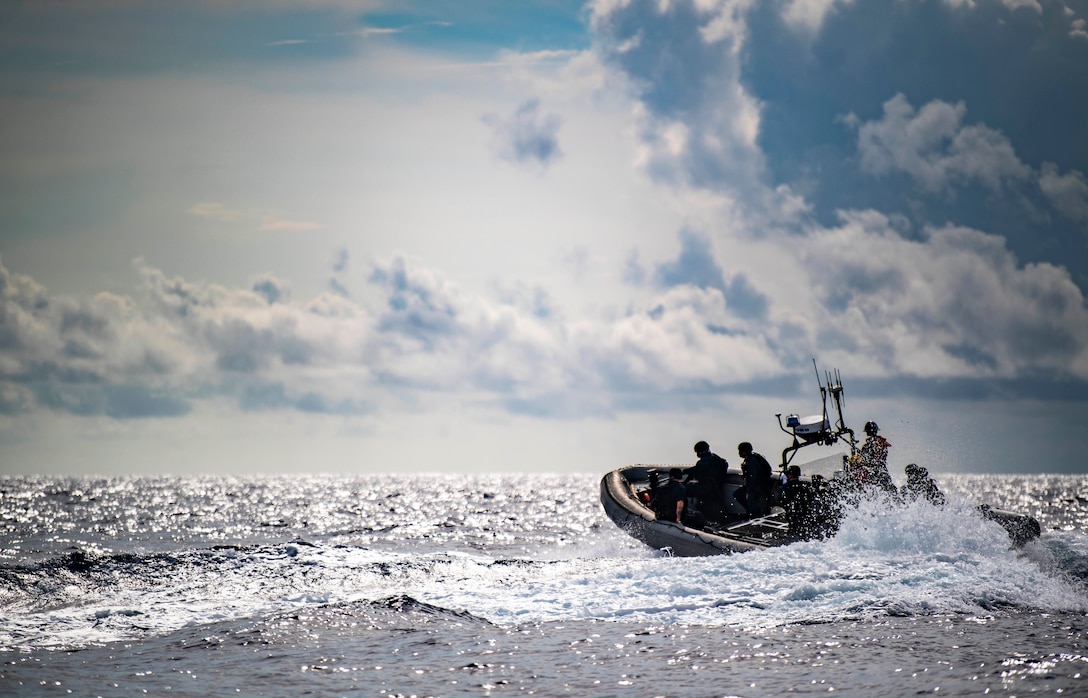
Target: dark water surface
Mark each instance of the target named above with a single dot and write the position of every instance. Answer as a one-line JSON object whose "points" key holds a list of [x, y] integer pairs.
{"points": [[502, 585]]}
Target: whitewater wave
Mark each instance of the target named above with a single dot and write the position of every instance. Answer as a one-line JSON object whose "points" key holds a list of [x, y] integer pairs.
{"points": [[913, 561]]}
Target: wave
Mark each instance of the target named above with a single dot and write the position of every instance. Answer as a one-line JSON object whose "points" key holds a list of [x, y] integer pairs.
{"points": [[918, 560]]}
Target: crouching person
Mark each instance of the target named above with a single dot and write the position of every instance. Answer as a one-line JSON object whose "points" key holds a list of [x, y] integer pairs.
{"points": [[799, 500], [920, 484]]}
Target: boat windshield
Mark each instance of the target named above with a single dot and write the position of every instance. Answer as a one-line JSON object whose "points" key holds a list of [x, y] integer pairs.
{"points": [[825, 467]]}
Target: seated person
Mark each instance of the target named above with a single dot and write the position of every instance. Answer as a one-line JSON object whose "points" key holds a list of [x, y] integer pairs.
{"points": [[670, 499]]}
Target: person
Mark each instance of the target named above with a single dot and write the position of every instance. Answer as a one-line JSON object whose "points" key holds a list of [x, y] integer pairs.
{"points": [[755, 494], [920, 484], [871, 467], [669, 500], [799, 500], [709, 473]]}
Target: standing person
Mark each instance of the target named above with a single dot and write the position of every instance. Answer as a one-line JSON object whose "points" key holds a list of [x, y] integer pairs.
{"points": [[670, 499], [710, 472], [873, 460], [755, 495]]}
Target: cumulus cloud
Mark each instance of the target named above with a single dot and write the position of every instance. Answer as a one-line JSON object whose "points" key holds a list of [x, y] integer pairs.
{"points": [[156, 352], [526, 136], [1067, 192], [1079, 29], [697, 266], [698, 125], [954, 303], [936, 149], [948, 303], [810, 14]]}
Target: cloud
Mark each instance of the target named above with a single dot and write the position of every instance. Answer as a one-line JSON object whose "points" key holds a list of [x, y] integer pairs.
{"points": [[268, 221], [946, 304], [941, 154], [810, 14], [698, 267], [526, 136], [1078, 30], [271, 288], [936, 149], [1068, 193], [337, 283], [172, 343], [697, 123], [954, 303]]}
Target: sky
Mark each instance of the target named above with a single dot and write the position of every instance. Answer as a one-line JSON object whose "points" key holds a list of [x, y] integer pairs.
{"points": [[257, 236]]}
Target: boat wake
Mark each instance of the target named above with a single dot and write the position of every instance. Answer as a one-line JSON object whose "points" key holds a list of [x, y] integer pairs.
{"points": [[921, 560]]}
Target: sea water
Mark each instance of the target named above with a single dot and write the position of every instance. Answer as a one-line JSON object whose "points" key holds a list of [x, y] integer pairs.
{"points": [[520, 585]]}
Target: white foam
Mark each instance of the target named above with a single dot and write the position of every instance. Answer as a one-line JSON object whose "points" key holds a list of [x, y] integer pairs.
{"points": [[916, 560]]}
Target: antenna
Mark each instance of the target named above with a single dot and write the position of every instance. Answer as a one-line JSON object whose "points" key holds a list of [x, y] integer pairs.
{"points": [[823, 390], [806, 433]]}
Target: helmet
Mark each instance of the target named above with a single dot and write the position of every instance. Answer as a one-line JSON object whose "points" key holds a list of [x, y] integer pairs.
{"points": [[702, 447], [871, 428], [915, 471]]}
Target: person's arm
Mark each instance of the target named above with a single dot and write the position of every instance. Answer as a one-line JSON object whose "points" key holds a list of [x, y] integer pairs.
{"points": [[679, 510]]}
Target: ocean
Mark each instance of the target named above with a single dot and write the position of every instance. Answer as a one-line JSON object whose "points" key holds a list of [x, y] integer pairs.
{"points": [[504, 585]]}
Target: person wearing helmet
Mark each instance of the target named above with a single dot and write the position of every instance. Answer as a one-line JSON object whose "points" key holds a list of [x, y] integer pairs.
{"points": [[872, 467], [709, 486], [920, 484], [798, 498]]}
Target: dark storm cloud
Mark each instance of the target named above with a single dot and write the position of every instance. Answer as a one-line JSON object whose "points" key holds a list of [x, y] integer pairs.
{"points": [[527, 136]]}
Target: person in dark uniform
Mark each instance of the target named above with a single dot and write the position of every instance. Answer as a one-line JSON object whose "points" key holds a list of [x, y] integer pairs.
{"points": [[799, 500], [670, 499], [755, 495], [709, 472], [920, 484]]}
